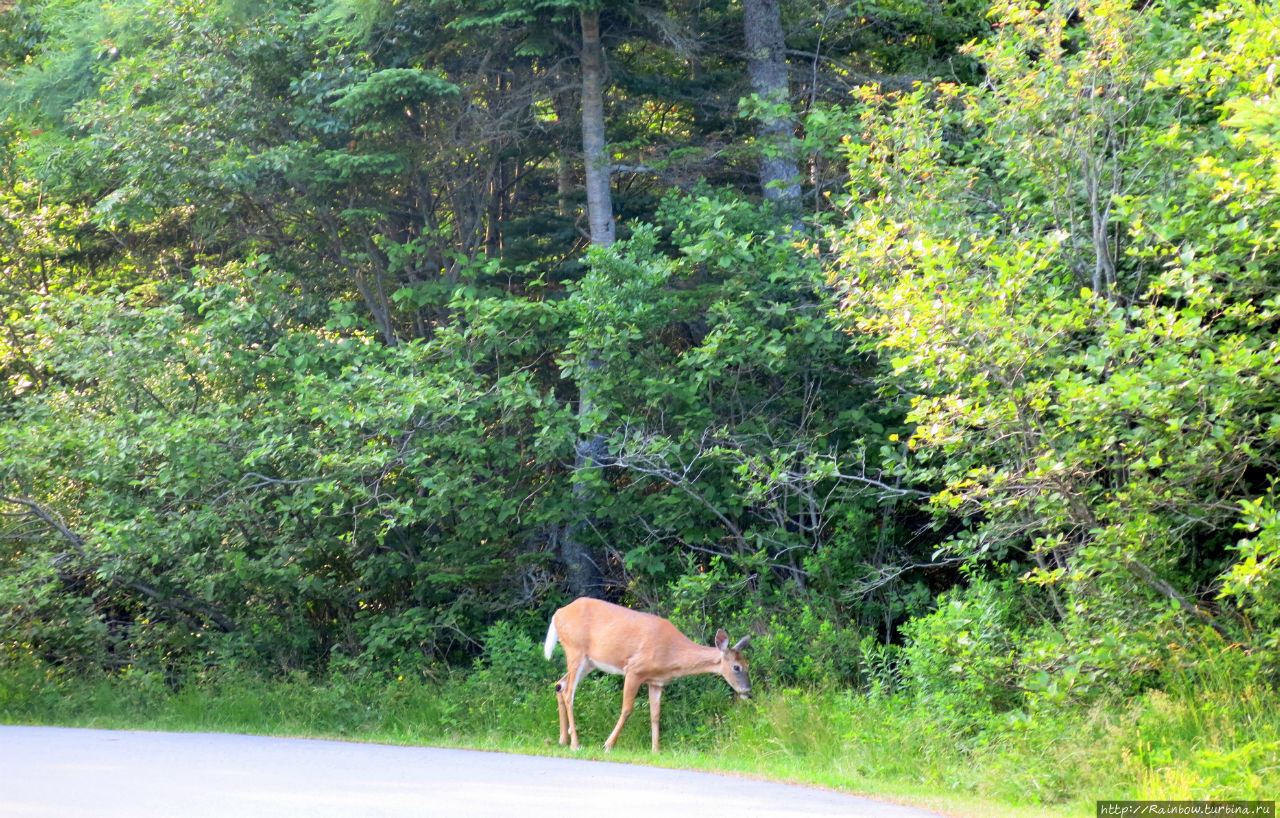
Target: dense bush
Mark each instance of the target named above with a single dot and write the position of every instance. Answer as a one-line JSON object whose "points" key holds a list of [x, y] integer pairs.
{"points": [[1072, 269]]}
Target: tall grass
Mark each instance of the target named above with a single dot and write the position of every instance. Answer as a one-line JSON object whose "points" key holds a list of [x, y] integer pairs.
{"points": [[1212, 733]]}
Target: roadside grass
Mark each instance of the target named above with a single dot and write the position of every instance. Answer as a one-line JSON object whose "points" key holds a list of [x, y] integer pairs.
{"points": [[1208, 737]]}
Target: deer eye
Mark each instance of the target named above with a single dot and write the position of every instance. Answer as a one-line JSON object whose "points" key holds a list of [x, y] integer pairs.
{"points": [[737, 668]]}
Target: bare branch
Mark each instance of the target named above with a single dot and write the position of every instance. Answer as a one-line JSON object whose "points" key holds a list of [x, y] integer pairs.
{"points": [[1145, 573], [50, 519], [178, 600], [886, 574]]}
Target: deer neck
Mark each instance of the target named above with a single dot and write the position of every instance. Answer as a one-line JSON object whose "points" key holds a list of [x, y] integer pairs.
{"points": [[695, 658]]}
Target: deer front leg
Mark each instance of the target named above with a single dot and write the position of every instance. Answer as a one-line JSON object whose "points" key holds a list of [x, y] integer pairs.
{"points": [[630, 686], [655, 710]]}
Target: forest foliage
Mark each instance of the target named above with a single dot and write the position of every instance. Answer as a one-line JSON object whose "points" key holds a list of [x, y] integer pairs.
{"points": [[301, 331]]}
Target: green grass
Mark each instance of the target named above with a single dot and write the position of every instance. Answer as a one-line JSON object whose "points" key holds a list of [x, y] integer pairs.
{"points": [[1212, 737]]}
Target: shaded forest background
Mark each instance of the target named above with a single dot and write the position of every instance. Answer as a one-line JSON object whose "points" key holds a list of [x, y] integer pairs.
{"points": [[935, 344]]}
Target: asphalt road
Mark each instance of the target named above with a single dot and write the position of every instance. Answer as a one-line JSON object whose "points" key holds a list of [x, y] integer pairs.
{"points": [[66, 773]]}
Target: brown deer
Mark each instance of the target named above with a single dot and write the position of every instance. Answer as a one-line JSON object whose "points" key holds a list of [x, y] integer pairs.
{"points": [[643, 648]]}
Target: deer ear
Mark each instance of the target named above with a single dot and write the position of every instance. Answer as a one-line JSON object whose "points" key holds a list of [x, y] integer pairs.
{"points": [[742, 643], [722, 640]]}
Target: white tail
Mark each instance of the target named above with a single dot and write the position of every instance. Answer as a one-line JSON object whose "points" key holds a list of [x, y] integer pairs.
{"points": [[644, 648], [552, 638]]}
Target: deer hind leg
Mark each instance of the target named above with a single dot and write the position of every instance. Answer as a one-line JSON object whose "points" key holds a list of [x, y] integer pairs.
{"points": [[561, 688], [565, 690], [630, 686], [655, 710]]}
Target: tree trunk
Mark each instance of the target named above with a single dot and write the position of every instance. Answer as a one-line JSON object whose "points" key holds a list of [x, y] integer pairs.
{"points": [[583, 573], [595, 160], [767, 70], [562, 100]]}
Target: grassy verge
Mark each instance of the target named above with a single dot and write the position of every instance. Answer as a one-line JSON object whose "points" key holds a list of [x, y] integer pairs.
{"points": [[1197, 743]]}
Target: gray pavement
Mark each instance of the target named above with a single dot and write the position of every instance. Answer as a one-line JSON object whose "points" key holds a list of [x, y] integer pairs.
{"points": [[66, 773]]}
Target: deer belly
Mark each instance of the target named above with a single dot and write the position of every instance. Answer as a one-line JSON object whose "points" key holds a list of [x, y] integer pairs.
{"points": [[605, 666]]}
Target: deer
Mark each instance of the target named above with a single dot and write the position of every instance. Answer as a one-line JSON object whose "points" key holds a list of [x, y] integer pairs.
{"points": [[643, 648]]}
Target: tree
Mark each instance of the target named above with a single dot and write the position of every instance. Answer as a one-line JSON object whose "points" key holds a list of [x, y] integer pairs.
{"points": [[583, 563], [595, 159], [767, 68]]}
